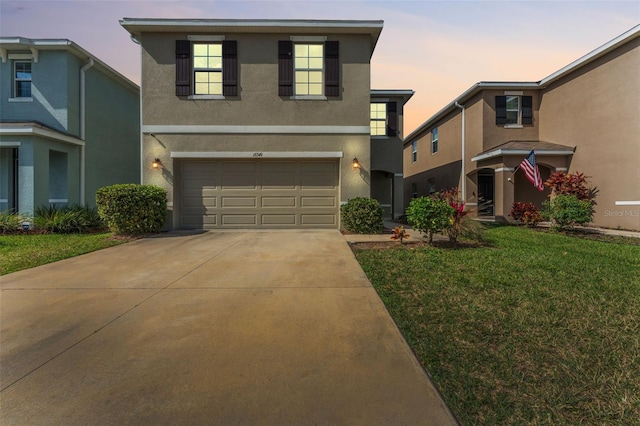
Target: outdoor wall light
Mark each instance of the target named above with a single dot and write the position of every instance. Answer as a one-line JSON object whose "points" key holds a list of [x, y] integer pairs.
{"points": [[156, 164], [355, 163]]}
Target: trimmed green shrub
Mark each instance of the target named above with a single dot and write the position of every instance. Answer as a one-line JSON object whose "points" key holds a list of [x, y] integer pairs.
{"points": [[362, 215], [429, 215], [11, 222], [130, 209], [565, 211], [67, 220]]}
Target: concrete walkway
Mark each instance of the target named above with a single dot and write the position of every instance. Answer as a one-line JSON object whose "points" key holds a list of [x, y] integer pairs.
{"points": [[242, 328]]}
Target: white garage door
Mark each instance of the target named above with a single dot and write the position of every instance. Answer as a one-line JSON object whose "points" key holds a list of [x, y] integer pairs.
{"points": [[258, 193]]}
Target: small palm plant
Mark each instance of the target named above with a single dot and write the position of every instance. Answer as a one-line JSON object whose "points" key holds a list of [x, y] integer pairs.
{"points": [[399, 233]]}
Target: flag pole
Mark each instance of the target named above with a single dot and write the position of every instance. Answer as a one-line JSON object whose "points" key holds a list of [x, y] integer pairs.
{"points": [[512, 174]]}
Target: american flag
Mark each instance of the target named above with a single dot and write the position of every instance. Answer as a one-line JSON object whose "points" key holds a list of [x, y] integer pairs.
{"points": [[531, 170]]}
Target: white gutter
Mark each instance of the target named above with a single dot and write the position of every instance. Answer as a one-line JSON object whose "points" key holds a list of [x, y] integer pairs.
{"points": [[83, 117], [462, 171]]}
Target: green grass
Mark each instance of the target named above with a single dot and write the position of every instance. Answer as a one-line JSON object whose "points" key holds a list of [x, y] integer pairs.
{"points": [[536, 328], [20, 251]]}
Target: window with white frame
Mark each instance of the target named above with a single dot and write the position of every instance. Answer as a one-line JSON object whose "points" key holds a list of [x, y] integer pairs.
{"points": [[207, 68], [434, 140], [308, 69], [22, 79], [513, 110], [414, 151], [378, 122]]}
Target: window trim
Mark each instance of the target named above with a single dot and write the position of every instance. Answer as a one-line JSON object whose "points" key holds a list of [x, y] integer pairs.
{"points": [[434, 142], [15, 80], [414, 151]]}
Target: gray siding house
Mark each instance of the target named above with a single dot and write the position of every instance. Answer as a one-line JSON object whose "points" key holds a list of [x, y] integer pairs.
{"points": [[69, 124], [259, 123]]}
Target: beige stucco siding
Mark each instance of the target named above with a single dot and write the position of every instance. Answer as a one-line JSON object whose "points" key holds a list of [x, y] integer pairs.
{"points": [[493, 134], [597, 108], [258, 102]]}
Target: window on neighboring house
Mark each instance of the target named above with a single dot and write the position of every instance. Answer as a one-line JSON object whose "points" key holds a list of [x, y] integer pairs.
{"points": [[431, 183], [206, 68], [378, 120], [22, 79], [434, 140], [308, 69], [514, 110], [414, 189], [414, 151]]}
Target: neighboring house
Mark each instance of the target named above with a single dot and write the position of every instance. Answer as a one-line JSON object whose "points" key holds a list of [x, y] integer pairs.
{"points": [[585, 117], [261, 123], [387, 108], [69, 124]]}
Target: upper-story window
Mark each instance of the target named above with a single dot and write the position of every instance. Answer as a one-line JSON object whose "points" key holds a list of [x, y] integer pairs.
{"points": [[434, 140], [378, 121], [414, 151], [22, 79], [308, 63], [514, 110], [383, 118], [207, 68], [309, 67]]}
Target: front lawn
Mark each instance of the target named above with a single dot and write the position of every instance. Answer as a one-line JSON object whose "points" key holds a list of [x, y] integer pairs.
{"points": [[21, 251], [536, 328]]}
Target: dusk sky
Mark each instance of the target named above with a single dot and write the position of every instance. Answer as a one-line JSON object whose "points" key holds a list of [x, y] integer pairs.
{"points": [[436, 48]]}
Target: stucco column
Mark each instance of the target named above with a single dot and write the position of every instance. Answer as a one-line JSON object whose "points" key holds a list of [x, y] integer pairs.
{"points": [[504, 195], [398, 195]]}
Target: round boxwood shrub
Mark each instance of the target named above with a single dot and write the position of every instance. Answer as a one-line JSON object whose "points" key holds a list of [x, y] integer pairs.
{"points": [[130, 209], [362, 215]]}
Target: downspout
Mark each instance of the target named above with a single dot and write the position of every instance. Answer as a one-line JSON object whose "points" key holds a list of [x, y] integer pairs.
{"points": [[136, 41], [463, 175], [83, 117]]}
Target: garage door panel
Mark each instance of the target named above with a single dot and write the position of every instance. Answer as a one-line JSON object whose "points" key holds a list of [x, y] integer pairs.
{"points": [[258, 193], [279, 181], [238, 202], [317, 201], [278, 219], [239, 219], [278, 167], [278, 202]]}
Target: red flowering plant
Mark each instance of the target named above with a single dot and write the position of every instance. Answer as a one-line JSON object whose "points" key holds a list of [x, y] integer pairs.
{"points": [[452, 197]]}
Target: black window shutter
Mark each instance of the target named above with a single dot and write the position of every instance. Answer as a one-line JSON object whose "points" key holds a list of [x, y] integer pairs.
{"points": [[501, 110], [527, 110], [285, 68], [183, 67], [392, 118], [230, 68], [332, 68]]}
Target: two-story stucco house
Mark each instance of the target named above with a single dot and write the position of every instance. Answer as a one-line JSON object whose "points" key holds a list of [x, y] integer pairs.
{"points": [[261, 123], [584, 117], [69, 124]]}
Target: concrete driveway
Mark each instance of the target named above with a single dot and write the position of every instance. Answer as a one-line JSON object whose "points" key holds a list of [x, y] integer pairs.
{"points": [[258, 327]]}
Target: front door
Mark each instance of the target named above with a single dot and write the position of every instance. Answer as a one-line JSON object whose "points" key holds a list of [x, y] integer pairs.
{"points": [[485, 193]]}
